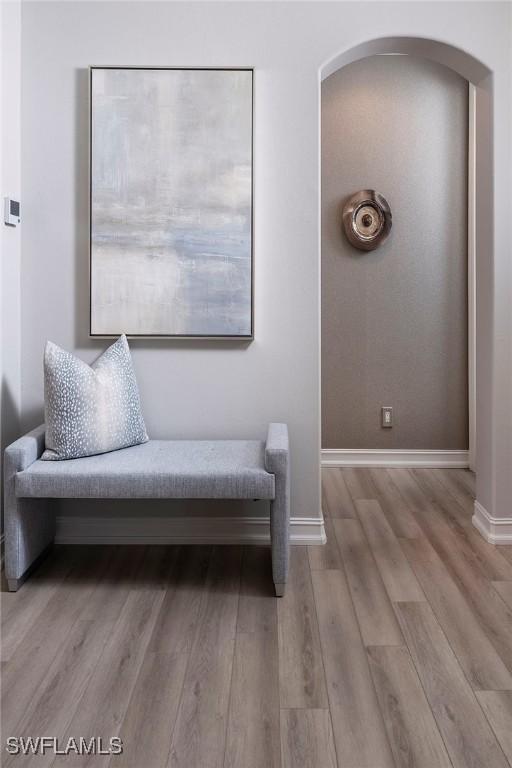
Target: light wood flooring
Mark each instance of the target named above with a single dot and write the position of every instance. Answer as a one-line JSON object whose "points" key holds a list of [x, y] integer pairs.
{"points": [[392, 646]]}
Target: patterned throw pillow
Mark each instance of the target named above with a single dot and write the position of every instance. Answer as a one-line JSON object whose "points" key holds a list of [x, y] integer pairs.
{"points": [[90, 409]]}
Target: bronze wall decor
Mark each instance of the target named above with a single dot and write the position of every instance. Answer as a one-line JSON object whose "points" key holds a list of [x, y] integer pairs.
{"points": [[366, 219]]}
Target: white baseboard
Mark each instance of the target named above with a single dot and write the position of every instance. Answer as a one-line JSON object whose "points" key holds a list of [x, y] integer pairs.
{"points": [[182, 530], [495, 530], [377, 457]]}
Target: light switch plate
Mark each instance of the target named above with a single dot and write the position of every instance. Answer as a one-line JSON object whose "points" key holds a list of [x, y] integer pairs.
{"points": [[11, 212]]}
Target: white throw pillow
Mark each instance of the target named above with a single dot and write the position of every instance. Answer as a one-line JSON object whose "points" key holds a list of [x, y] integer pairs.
{"points": [[91, 409]]}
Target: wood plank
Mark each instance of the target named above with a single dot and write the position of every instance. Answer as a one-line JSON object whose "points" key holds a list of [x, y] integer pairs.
{"points": [[149, 722], [200, 732], [47, 635], [467, 477], [301, 673], [506, 551], [409, 489], [450, 478], [148, 725], [375, 614], [359, 483], [20, 609], [176, 626], [57, 697], [306, 738], [411, 728], [434, 490], [497, 706], [433, 516], [492, 562], [328, 492], [253, 739], [504, 589], [324, 501], [257, 608], [157, 569], [325, 557], [337, 499], [397, 575], [393, 505], [253, 725], [466, 733], [465, 568], [114, 584], [483, 667], [103, 706], [358, 728]]}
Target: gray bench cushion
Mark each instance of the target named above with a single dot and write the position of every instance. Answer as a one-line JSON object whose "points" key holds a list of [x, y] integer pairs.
{"points": [[194, 469]]}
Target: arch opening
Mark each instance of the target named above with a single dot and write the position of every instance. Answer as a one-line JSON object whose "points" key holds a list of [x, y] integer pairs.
{"points": [[480, 78], [473, 70]]}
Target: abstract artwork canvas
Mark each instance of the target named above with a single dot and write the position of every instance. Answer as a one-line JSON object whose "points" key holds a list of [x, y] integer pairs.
{"points": [[171, 162]]}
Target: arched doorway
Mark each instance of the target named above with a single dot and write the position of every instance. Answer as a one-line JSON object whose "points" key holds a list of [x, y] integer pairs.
{"points": [[480, 233]]}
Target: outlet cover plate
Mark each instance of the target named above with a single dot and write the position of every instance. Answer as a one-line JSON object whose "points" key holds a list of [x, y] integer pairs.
{"points": [[386, 416]]}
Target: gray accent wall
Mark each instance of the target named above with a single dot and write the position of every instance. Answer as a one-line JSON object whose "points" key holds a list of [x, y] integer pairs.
{"points": [[394, 321]]}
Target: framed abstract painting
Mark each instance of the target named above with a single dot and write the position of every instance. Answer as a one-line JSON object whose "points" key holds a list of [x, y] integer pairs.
{"points": [[171, 202]]}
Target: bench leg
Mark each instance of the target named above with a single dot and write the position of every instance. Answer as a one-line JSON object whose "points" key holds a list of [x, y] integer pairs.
{"points": [[30, 531], [280, 538], [277, 462]]}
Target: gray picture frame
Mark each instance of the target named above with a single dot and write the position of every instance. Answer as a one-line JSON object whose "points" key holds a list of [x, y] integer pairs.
{"points": [[241, 337]]}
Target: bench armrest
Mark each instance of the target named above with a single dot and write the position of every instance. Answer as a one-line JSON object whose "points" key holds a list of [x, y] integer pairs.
{"points": [[24, 451], [277, 449], [29, 523]]}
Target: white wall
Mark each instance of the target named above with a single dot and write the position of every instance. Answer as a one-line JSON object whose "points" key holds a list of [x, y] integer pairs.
{"points": [[10, 237], [207, 389], [2, 117]]}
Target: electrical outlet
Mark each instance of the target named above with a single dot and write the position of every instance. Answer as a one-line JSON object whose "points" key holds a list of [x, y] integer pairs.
{"points": [[386, 416]]}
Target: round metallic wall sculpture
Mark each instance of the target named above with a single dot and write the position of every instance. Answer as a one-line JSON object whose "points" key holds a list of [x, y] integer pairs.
{"points": [[366, 219]]}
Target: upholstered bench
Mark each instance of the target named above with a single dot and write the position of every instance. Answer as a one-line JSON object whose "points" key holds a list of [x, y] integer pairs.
{"points": [[158, 469]]}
